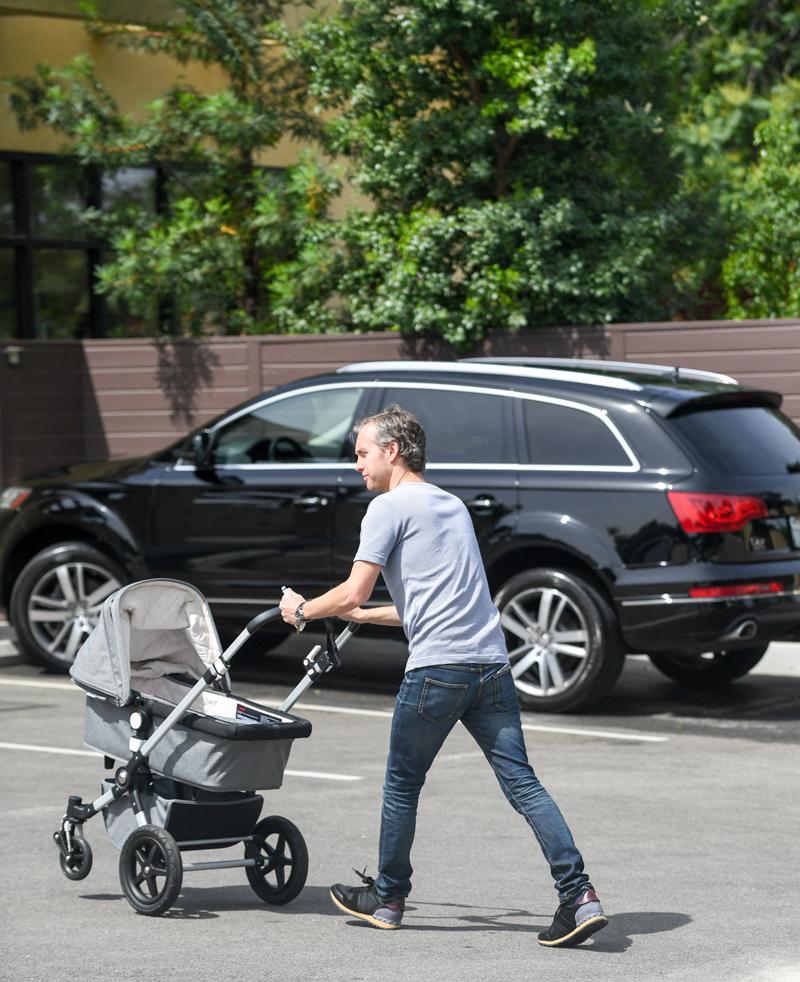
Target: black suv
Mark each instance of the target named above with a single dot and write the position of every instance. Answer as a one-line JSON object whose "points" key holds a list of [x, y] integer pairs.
{"points": [[619, 508]]}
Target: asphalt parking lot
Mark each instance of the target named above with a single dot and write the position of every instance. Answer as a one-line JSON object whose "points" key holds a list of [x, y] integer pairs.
{"points": [[686, 809]]}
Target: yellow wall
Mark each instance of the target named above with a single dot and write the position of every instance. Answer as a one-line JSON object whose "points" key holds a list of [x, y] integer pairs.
{"points": [[133, 79]]}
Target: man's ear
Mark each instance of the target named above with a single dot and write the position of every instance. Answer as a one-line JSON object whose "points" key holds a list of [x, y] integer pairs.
{"points": [[393, 451]]}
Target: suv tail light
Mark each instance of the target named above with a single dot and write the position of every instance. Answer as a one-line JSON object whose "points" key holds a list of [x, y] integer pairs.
{"points": [[700, 512], [736, 590]]}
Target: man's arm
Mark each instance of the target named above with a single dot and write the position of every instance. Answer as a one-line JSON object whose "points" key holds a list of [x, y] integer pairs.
{"points": [[339, 601], [387, 616]]}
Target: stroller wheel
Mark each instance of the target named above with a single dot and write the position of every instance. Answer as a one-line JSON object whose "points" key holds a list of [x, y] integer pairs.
{"points": [[282, 860], [150, 870], [78, 865]]}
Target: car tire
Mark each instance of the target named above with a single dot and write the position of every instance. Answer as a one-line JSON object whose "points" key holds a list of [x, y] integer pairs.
{"points": [[563, 640], [56, 601], [712, 668]]}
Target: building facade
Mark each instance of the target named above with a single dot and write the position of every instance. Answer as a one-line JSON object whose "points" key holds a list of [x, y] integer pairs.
{"points": [[47, 262]]}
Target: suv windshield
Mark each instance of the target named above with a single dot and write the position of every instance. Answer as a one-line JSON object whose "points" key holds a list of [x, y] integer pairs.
{"points": [[743, 440]]}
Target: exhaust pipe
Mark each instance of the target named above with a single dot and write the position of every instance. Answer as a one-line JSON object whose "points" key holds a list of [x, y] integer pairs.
{"points": [[743, 631]]}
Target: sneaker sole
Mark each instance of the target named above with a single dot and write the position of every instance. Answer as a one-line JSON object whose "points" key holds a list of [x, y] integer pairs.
{"points": [[374, 921], [581, 933]]}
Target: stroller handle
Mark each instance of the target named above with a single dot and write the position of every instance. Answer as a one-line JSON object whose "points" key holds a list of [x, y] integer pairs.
{"points": [[261, 619]]}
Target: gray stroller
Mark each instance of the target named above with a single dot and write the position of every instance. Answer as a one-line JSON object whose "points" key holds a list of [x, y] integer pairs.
{"points": [[192, 754]]}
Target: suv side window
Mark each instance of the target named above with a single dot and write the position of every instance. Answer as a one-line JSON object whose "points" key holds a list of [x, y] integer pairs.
{"points": [[560, 436], [461, 426], [306, 428]]}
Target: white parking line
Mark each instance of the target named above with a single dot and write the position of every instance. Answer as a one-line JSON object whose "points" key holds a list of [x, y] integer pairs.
{"points": [[49, 750], [534, 727], [303, 707], [632, 735], [36, 748], [318, 775], [36, 684], [600, 734]]}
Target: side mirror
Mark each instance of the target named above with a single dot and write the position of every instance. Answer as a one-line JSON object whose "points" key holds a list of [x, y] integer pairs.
{"points": [[201, 448]]}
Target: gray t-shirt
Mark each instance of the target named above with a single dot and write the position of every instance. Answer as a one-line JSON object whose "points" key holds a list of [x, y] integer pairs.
{"points": [[423, 539]]}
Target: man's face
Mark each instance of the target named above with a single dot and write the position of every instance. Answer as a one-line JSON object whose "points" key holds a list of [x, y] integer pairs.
{"points": [[373, 462]]}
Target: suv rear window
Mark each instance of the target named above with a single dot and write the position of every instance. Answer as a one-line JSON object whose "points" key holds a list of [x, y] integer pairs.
{"points": [[743, 440]]}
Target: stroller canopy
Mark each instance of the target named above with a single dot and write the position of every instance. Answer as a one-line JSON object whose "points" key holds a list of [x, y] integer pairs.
{"points": [[147, 630]]}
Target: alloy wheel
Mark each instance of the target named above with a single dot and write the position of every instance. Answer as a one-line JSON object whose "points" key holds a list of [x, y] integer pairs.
{"points": [[64, 606], [549, 640]]}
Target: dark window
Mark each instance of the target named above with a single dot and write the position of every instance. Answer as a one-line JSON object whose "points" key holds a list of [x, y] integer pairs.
{"points": [[307, 428], [743, 440], [130, 186], [58, 197], [61, 293], [46, 256], [559, 436], [42, 198], [461, 427], [8, 299], [7, 225]]}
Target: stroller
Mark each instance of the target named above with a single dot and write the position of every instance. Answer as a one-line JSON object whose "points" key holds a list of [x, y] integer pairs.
{"points": [[192, 754]]}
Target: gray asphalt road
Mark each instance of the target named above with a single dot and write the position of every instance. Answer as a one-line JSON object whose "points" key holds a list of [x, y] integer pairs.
{"points": [[686, 810]]}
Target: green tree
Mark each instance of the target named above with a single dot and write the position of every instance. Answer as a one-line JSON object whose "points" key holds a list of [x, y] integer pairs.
{"points": [[737, 54], [760, 273], [208, 258], [519, 159]]}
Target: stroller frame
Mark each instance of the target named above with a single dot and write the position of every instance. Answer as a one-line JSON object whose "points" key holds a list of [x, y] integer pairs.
{"points": [[150, 851]]}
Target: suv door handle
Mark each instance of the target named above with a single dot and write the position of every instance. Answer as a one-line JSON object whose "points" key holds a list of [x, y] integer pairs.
{"points": [[311, 501], [483, 502]]}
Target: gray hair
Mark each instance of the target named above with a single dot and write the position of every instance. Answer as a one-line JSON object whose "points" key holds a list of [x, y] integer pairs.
{"points": [[396, 425]]}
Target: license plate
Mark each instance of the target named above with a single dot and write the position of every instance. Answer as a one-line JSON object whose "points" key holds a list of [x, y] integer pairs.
{"points": [[794, 527]]}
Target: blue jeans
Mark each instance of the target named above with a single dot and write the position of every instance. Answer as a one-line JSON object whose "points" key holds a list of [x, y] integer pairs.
{"points": [[483, 696]]}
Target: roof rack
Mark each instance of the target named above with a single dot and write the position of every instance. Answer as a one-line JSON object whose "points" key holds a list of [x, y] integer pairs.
{"points": [[501, 367], [673, 372]]}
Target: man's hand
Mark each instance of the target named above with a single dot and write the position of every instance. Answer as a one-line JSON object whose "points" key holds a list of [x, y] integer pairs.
{"points": [[290, 601], [342, 599]]}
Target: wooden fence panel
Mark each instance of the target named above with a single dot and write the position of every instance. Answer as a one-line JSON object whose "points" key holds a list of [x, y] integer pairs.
{"points": [[72, 401], [42, 410], [761, 354]]}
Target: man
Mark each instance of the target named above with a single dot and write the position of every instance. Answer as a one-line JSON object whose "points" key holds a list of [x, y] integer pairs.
{"points": [[422, 540]]}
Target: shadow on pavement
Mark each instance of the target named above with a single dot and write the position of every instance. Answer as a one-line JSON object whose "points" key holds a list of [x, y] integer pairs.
{"points": [[197, 903], [643, 691], [623, 928]]}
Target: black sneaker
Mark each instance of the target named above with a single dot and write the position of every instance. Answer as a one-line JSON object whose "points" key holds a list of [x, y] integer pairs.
{"points": [[575, 921], [364, 903]]}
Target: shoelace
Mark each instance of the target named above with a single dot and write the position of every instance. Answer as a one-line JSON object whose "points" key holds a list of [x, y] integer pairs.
{"points": [[364, 878]]}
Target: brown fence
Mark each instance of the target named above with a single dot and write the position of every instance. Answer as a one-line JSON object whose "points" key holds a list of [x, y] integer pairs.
{"points": [[69, 401]]}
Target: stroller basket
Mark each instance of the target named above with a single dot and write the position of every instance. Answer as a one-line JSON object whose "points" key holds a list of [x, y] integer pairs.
{"points": [[204, 749], [193, 820]]}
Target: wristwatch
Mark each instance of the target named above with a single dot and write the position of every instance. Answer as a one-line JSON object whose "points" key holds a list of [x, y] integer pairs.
{"points": [[299, 617]]}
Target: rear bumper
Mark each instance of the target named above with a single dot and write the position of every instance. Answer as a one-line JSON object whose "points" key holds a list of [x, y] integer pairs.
{"points": [[664, 618]]}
